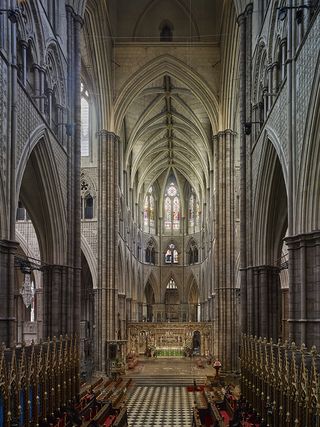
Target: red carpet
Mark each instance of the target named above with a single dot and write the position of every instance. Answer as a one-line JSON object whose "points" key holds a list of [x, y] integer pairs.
{"points": [[197, 388], [225, 417]]}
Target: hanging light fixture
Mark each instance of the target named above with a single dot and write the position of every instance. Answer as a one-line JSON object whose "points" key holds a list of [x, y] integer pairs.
{"points": [[27, 290]]}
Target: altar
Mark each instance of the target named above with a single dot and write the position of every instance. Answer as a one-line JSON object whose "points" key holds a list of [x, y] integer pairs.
{"points": [[170, 339]]}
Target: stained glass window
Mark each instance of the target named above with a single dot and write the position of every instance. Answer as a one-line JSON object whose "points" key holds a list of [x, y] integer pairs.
{"points": [[197, 219], [191, 210], [167, 215], [172, 208], [149, 212], [193, 213], [171, 255]]}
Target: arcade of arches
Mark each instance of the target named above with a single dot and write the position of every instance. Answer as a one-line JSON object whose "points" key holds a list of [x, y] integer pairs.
{"points": [[159, 170]]}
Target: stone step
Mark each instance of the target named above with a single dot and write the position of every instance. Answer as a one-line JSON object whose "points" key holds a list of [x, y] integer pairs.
{"points": [[166, 380]]}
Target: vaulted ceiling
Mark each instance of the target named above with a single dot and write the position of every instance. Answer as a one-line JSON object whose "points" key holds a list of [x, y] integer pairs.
{"points": [[167, 123], [167, 127]]}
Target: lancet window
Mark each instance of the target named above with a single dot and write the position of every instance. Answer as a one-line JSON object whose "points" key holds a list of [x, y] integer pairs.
{"points": [[151, 253], [149, 212], [171, 284], [171, 255], [85, 122], [87, 199], [172, 209], [193, 213]]}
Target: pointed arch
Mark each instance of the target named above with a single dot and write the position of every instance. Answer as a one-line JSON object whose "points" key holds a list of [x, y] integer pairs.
{"points": [[38, 179], [91, 260], [308, 200], [160, 67], [271, 212]]}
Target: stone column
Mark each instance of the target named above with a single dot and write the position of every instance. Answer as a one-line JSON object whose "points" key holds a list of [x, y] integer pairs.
{"points": [[269, 98], [37, 84], [24, 46], [275, 82], [42, 75], [58, 302], [108, 237], [49, 96], [224, 249], [39, 312], [60, 125], [283, 47], [264, 304], [304, 290], [7, 312], [73, 147], [243, 174], [8, 245], [78, 22]]}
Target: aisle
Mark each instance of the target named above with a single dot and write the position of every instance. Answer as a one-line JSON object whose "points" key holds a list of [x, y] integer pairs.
{"points": [[160, 406]]}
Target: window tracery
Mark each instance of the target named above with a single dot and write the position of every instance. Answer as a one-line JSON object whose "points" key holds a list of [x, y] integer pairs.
{"points": [[172, 208], [193, 253], [171, 255], [88, 197], [150, 253]]}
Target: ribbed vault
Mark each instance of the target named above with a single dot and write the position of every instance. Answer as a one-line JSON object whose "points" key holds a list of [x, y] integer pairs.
{"points": [[167, 128]]}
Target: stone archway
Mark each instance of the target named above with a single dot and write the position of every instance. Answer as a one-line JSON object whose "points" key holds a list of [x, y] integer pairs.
{"points": [[270, 224]]}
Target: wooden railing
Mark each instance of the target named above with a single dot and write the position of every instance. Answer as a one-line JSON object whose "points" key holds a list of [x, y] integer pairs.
{"points": [[281, 382], [37, 380]]}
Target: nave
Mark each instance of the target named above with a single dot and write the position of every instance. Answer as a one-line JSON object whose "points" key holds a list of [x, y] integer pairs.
{"points": [[159, 210]]}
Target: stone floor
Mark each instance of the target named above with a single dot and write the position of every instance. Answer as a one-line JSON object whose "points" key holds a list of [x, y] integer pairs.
{"points": [[160, 406], [159, 395], [171, 366]]}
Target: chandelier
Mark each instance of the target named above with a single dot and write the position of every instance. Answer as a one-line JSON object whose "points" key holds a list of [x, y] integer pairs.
{"points": [[26, 265], [27, 290]]}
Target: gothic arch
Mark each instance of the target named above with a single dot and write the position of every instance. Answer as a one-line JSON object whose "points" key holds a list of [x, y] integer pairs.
{"points": [[165, 280], [273, 137], [159, 67], [91, 260], [272, 30], [78, 6], [55, 75], [38, 179], [308, 200], [29, 24], [271, 211], [153, 283], [261, 48]]}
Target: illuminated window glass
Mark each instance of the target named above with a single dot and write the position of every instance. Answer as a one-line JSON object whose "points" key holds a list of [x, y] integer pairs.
{"points": [[85, 110], [171, 284], [149, 212], [172, 208], [171, 255]]}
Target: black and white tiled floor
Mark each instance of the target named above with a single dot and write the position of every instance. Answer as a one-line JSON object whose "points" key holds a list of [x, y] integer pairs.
{"points": [[160, 406]]}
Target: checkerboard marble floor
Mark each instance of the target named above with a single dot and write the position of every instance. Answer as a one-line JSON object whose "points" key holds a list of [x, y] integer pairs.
{"points": [[160, 406]]}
